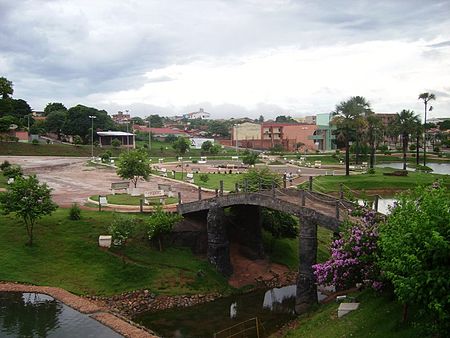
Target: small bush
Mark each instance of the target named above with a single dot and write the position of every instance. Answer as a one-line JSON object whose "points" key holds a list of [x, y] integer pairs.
{"points": [[35, 142], [13, 171], [203, 177], [194, 161], [371, 171], [121, 229], [4, 165], [75, 212], [424, 168], [116, 143], [436, 149], [412, 147]]}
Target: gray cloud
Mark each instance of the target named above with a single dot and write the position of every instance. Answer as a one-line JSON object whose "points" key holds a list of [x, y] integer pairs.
{"points": [[67, 50]]}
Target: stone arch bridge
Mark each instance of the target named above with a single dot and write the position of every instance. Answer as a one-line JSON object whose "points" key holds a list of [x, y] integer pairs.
{"points": [[312, 209]]}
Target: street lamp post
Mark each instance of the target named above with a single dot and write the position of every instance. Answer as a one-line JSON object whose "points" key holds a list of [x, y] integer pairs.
{"points": [[149, 135], [92, 117]]}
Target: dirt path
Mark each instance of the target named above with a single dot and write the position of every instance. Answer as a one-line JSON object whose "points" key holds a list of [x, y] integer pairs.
{"points": [[250, 272], [72, 180]]}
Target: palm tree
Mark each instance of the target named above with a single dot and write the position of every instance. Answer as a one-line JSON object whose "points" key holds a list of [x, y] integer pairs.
{"points": [[426, 97], [418, 134], [406, 123], [374, 135], [347, 117]]}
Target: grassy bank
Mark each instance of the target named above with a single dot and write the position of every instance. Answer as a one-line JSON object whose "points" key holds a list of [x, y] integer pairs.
{"points": [[378, 316], [376, 181], [28, 149], [66, 254]]}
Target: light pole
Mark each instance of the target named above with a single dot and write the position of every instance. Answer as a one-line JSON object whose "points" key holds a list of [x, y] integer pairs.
{"points": [[236, 132], [92, 117], [149, 135], [426, 97]]}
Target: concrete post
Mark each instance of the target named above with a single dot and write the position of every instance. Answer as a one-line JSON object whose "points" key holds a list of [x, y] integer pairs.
{"points": [[217, 192], [99, 204], [199, 193], [341, 191], [221, 187], [306, 284], [218, 251], [302, 197], [179, 197], [375, 203], [141, 205], [337, 210], [236, 187], [310, 183], [284, 181]]}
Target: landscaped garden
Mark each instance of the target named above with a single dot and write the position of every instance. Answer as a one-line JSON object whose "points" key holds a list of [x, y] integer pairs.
{"points": [[125, 199]]}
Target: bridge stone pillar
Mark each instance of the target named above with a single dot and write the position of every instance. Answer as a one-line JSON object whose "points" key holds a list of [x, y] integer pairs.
{"points": [[218, 245], [306, 284]]}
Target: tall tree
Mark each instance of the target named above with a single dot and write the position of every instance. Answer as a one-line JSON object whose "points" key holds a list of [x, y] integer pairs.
{"points": [[156, 121], [54, 122], [181, 146], [374, 135], [133, 165], [6, 88], [426, 97], [406, 124], [29, 200], [347, 116], [79, 123], [54, 106]]}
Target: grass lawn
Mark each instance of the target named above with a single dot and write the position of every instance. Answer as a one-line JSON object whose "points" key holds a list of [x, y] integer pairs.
{"points": [[66, 254], [229, 180], [125, 199], [28, 149], [376, 181], [378, 316]]}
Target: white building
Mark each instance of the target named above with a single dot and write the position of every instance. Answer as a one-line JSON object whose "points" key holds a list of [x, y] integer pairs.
{"points": [[201, 114], [196, 142]]}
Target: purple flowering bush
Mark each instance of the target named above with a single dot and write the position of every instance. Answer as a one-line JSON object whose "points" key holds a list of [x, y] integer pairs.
{"points": [[353, 256]]}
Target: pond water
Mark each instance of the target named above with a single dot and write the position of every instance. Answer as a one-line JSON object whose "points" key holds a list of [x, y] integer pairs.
{"points": [[383, 204], [438, 168], [273, 308], [39, 315]]}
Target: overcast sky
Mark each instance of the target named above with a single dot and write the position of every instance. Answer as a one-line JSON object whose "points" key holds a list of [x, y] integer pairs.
{"points": [[234, 58]]}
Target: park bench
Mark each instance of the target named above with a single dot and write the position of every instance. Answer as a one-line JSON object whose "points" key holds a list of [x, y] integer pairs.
{"points": [[190, 177], [154, 194], [123, 185]]}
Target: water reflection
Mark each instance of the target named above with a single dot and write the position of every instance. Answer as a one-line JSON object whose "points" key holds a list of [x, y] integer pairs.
{"points": [[39, 315], [273, 308]]}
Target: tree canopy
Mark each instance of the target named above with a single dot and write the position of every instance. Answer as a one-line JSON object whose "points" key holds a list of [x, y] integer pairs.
{"points": [[29, 200], [415, 243], [156, 121], [181, 145], [133, 165], [6, 88], [285, 119], [79, 123], [54, 106]]}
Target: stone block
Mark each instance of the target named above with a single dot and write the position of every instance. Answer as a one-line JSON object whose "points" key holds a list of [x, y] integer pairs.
{"points": [[104, 241], [345, 308]]}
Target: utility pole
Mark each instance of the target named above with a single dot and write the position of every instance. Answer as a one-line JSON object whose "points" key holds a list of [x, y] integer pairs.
{"points": [[149, 134], [92, 117]]}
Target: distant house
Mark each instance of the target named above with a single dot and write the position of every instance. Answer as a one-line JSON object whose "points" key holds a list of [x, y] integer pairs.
{"points": [[105, 138], [197, 142], [201, 114], [161, 133], [121, 118]]}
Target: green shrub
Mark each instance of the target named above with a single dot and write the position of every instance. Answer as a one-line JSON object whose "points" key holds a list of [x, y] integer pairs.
{"points": [[436, 149], [371, 171], [203, 177], [75, 212], [35, 142], [116, 143], [424, 168], [194, 161], [5, 164], [121, 229], [13, 171], [412, 147]]}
